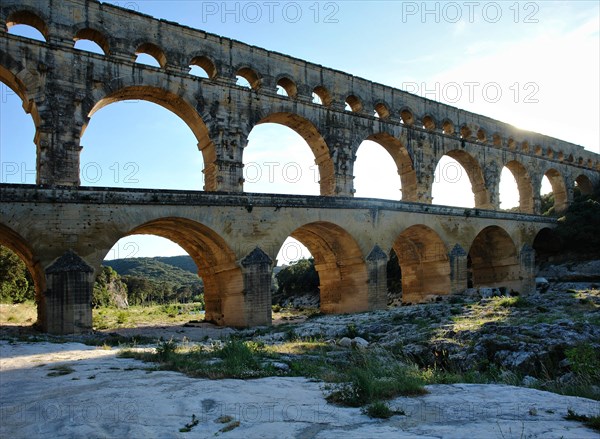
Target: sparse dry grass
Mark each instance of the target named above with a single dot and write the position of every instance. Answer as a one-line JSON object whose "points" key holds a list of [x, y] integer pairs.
{"points": [[18, 314], [151, 315]]}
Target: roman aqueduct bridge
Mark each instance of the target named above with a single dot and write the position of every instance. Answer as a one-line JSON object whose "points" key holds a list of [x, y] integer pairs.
{"points": [[63, 231]]}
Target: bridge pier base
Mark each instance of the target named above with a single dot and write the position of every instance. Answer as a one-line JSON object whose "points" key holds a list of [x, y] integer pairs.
{"points": [[257, 269], [377, 275], [527, 262], [459, 271], [68, 298]]}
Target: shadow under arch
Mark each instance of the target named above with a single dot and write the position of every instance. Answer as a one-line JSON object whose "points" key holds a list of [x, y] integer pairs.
{"points": [[585, 185], [524, 186], [216, 262], [475, 174], [340, 265], [547, 243], [493, 260], [403, 161], [175, 104], [309, 132], [424, 262]]}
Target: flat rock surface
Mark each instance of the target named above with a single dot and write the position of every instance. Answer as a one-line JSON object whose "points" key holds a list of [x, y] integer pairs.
{"points": [[110, 397]]}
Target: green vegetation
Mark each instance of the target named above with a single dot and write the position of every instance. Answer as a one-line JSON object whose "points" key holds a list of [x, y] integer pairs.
{"points": [[159, 280], [109, 289], [188, 427], [297, 279], [138, 315], [380, 410], [234, 359], [590, 421], [578, 228], [16, 285], [357, 378], [547, 204], [371, 378], [175, 270]]}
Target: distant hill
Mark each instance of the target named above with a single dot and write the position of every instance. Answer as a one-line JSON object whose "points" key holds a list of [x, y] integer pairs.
{"points": [[179, 270]]}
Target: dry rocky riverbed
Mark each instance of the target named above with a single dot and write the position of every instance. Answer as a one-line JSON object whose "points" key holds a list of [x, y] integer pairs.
{"points": [[60, 387]]}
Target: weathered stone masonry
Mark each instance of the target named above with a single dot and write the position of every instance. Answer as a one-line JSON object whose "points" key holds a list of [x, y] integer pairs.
{"points": [[234, 237]]}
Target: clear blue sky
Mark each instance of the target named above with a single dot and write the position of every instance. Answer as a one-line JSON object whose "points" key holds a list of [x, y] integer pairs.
{"points": [[543, 56]]}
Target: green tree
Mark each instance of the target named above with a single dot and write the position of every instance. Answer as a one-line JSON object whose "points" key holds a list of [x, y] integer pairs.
{"points": [[109, 289], [578, 228], [16, 284], [547, 206], [298, 278]]}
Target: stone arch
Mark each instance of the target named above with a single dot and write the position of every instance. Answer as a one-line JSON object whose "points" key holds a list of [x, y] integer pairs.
{"points": [[465, 132], [309, 132], [24, 84], [340, 265], [323, 94], [288, 85], [475, 174], [382, 110], [216, 262], [481, 135], [524, 185], [448, 127], [206, 64], [407, 116], [497, 139], [15, 242], [493, 260], [250, 75], [584, 184], [355, 103], [154, 51], [559, 189], [404, 163], [17, 83], [94, 35], [428, 122], [177, 105], [424, 262], [29, 18]]}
